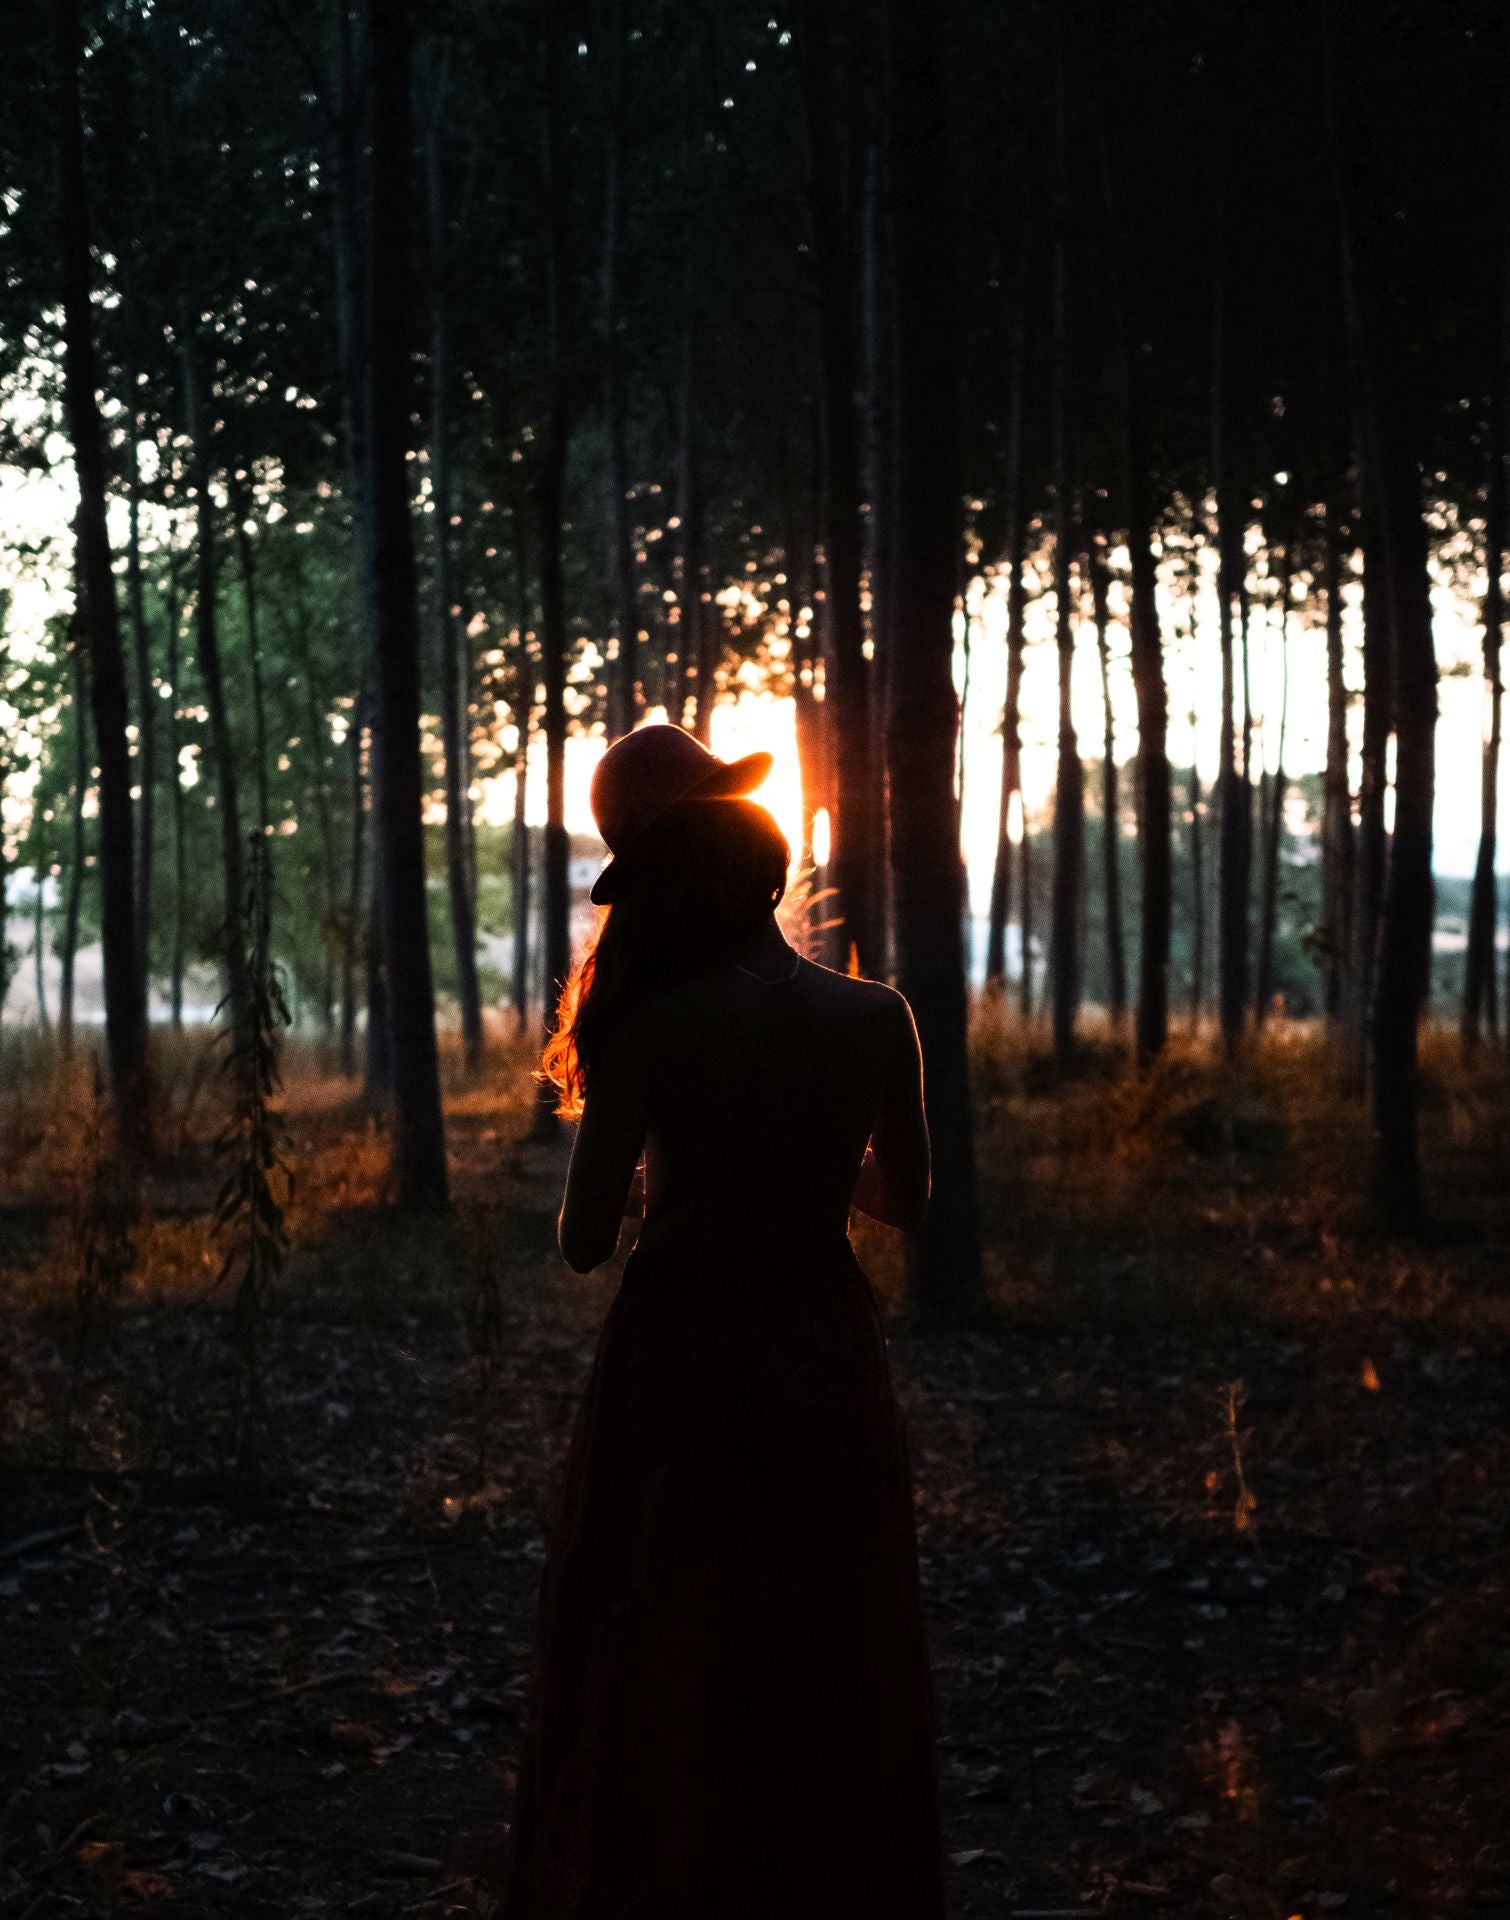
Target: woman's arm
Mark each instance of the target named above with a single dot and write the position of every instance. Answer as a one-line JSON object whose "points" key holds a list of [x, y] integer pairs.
{"points": [[895, 1174], [601, 1177]]}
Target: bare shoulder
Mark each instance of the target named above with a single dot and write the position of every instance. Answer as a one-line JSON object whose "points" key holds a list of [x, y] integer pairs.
{"points": [[872, 1005]]}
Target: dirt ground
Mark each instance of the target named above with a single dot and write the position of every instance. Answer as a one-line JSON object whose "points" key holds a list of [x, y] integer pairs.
{"points": [[1213, 1506]]}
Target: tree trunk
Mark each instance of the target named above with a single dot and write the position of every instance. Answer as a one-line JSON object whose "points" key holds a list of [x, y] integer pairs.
{"points": [[1373, 783], [419, 1129], [327, 878], [351, 918], [549, 489], [1409, 894], [1479, 982], [176, 943], [1274, 826], [520, 865], [453, 720], [928, 873], [1066, 953], [1111, 805], [856, 828], [241, 510], [125, 1000], [1011, 717], [39, 946], [1197, 890], [211, 673], [72, 899], [1153, 798], [799, 520], [624, 696], [1337, 842], [377, 1038], [146, 733], [692, 615], [1385, 408], [1234, 792]]}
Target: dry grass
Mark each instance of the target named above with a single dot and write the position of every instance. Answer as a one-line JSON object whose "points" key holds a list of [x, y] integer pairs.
{"points": [[1209, 1187]]}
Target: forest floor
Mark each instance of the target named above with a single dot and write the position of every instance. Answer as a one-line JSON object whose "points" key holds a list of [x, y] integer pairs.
{"points": [[1213, 1507]]}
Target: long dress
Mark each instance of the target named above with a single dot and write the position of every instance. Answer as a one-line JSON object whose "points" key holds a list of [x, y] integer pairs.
{"points": [[730, 1713]]}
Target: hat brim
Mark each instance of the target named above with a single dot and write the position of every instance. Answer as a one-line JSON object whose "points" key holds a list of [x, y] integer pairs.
{"points": [[724, 781]]}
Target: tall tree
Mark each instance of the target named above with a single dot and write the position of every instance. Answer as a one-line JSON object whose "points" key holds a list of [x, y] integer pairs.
{"points": [[1480, 1003], [125, 998], [1338, 841], [856, 829], [1234, 781], [448, 624], [1387, 407], [1011, 716], [1154, 804], [419, 1128], [1111, 804], [928, 874], [549, 486], [624, 690], [1274, 815], [1066, 946]]}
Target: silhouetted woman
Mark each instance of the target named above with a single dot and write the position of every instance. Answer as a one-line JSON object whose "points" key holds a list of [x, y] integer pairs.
{"points": [[730, 1715]]}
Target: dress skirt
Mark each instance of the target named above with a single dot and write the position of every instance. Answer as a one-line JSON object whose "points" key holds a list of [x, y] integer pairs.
{"points": [[730, 1713]]}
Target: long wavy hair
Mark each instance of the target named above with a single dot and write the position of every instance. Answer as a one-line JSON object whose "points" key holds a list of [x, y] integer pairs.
{"points": [[700, 888]]}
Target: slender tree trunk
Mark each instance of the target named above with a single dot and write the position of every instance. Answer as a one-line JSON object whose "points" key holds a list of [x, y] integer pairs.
{"points": [[1069, 786], [39, 946], [927, 870], [212, 676], [1111, 804], [125, 1000], [419, 1129], [1197, 889], [520, 865], [1479, 984], [1153, 797], [1011, 718], [555, 902], [550, 482], [1385, 407], [73, 898], [1337, 841], [1373, 783], [1274, 828], [315, 708], [859, 797], [377, 1036], [800, 521], [351, 918], [447, 614], [877, 469], [693, 616], [176, 940], [1409, 895], [1234, 792], [146, 732], [241, 509], [1025, 919], [624, 695]]}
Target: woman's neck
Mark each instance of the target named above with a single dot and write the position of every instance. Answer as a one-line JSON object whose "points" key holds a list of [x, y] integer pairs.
{"points": [[766, 951]]}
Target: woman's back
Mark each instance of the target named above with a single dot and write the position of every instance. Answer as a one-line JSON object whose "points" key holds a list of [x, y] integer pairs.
{"points": [[761, 1094]]}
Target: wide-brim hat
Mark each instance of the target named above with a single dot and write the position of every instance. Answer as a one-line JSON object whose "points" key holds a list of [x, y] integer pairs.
{"points": [[646, 773]]}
